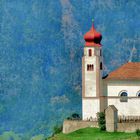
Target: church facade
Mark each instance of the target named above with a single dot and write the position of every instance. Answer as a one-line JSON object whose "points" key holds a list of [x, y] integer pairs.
{"points": [[120, 88]]}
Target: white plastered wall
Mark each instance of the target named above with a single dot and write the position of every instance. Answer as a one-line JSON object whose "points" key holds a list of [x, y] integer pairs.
{"points": [[114, 88], [90, 78], [129, 108], [90, 101], [89, 108]]}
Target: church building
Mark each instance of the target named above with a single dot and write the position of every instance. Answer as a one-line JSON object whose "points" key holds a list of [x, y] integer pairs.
{"points": [[120, 88]]}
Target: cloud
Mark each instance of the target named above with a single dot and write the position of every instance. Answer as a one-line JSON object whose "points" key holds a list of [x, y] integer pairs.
{"points": [[59, 99]]}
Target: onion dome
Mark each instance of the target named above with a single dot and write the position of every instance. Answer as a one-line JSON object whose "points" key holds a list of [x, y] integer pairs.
{"points": [[92, 38]]}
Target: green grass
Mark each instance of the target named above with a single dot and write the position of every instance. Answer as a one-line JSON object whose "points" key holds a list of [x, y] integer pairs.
{"points": [[95, 134]]}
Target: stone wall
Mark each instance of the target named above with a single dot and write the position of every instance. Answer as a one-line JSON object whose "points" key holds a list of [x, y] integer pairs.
{"points": [[111, 118], [73, 125], [122, 123], [113, 122], [70, 126], [128, 126]]}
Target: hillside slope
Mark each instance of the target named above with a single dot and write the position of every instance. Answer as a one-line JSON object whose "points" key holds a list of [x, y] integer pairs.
{"points": [[94, 134]]}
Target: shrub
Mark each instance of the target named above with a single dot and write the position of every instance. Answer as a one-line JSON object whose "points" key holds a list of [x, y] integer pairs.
{"points": [[74, 116], [68, 118], [57, 129], [101, 121], [138, 133]]}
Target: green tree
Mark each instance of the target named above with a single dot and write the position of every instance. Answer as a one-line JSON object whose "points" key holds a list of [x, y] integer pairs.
{"points": [[138, 133], [101, 121]]}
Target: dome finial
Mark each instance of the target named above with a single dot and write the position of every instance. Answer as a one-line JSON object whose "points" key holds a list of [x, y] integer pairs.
{"points": [[92, 37], [92, 23]]}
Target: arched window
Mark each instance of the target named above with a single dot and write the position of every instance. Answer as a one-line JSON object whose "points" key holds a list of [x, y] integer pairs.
{"points": [[90, 67], [123, 96], [138, 94], [90, 52], [87, 67]]}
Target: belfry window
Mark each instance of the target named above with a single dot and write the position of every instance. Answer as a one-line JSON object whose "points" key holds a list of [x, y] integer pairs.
{"points": [[90, 67], [123, 96], [90, 52]]}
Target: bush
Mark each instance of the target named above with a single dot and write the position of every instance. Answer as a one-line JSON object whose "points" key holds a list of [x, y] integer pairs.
{"points": [[74, 116], [101, 121], [68, 118], [138, 133], [57, 129]]}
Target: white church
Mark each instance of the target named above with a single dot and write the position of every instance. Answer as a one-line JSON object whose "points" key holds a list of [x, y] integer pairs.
{"points": [[120, 88]]}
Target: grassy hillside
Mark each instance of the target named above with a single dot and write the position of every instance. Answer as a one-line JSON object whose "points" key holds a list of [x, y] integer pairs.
{"points": [[95, 134]]}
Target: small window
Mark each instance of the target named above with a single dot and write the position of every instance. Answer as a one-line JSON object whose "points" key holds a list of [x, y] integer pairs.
{"points": [[101, 66], [90, 52], [90, 67], [123, 96]]}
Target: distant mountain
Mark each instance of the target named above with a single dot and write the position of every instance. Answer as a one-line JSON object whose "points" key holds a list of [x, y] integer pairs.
{"points": [[41, 46]]}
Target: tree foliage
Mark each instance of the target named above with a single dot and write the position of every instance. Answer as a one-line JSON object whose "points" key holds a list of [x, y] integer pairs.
{"points": [[74, 116], [101, 121], [138, 133], [57, 129]]}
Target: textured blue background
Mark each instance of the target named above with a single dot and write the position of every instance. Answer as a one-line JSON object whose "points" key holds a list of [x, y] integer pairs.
{"points": [[41, 45]]}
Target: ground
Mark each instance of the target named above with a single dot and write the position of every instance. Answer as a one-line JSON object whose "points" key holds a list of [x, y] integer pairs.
{"points": [[95, 134]]}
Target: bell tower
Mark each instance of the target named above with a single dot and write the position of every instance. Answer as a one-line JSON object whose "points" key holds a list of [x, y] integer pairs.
{"points": [[91, 74]]}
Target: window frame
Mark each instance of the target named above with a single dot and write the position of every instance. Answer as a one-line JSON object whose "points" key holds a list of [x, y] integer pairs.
{"points": [[123, 98], [138, 94], [90, 67], [90, 52]]}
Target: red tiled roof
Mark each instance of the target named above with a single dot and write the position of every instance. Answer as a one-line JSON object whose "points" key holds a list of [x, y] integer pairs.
{"points": [[128, 71]]}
